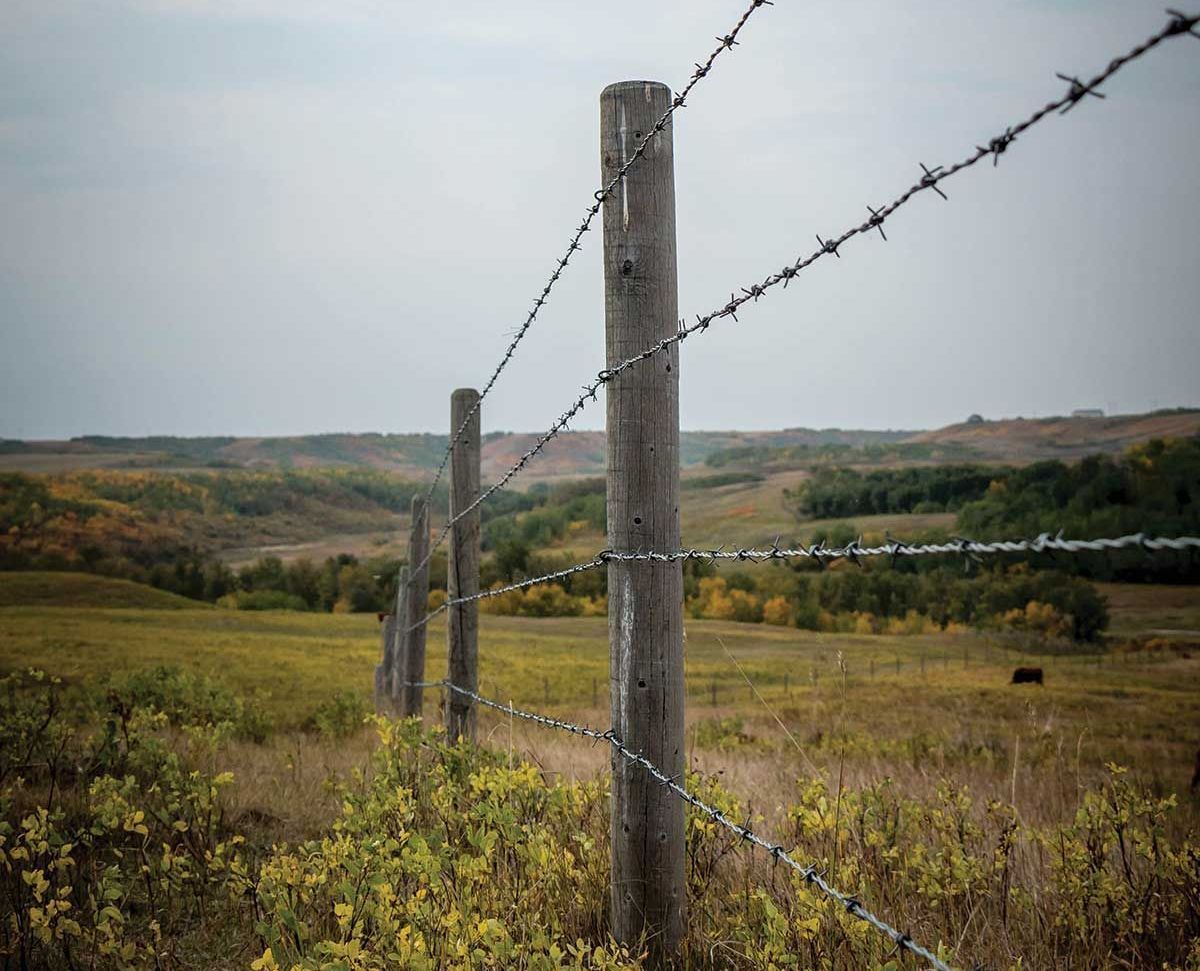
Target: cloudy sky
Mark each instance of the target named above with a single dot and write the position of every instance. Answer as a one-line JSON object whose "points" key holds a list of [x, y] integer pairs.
{"points": [[287, 216]]}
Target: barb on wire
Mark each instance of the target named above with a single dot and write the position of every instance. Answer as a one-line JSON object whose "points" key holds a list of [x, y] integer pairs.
{"points": [[725, 43], [930, 179], [778, 852]]}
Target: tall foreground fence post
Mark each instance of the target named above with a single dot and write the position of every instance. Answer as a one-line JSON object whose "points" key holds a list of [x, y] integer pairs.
{"points": [[462, 621], [415, 601], [645, 599]]}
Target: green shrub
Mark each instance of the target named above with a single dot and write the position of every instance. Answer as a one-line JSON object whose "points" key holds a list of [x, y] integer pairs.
{"points": [[191, 699], [262, 600], [339, 717]]}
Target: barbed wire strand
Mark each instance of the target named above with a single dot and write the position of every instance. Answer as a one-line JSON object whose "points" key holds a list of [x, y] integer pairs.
{"points": [[1044, 543], [499, 591], [852, 551], [1178, 24], [726, 43], [778, 852]]}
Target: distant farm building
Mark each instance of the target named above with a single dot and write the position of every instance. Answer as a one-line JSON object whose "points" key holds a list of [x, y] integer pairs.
{"points": [[1088, 413]]}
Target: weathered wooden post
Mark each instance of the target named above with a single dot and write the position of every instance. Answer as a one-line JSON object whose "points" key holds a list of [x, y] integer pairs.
{"points": [[462, 622], [384, 669], [645, 599], [416, 603], [395, 675]]}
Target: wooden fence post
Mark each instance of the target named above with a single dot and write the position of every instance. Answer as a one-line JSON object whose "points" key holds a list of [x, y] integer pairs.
{"points": [[645, 600], [416, 603], [397, 654], [462, 622], [384, 669]]}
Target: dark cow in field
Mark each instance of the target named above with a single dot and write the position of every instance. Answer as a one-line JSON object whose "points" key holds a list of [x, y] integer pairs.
{"points": [[1027, 676], [382, 617]]}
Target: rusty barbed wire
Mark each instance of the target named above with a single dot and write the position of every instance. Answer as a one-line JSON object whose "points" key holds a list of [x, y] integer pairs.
{"points": [[725, 43], [778, 852], [852, 551], [1178, 24]]}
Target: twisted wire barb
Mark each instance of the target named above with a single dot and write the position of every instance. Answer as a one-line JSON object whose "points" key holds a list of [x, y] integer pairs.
{"points": [[779, 854], [1178, 24], [726, 43], [852, 551]]}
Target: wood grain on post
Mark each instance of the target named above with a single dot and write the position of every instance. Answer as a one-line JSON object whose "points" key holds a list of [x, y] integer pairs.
{"points": [[462, 569], [397, 674], [383, 671], [645, 600], [416, 603]]}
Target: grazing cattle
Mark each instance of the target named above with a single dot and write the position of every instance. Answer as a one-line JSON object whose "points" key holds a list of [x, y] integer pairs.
{"points": [[1027, 676], [1196, 773]]}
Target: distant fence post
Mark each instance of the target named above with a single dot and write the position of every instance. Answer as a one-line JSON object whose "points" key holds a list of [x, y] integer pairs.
{"points": [[645, 599], [416, 603], [394, 680], [385, 669], [462, 622]]}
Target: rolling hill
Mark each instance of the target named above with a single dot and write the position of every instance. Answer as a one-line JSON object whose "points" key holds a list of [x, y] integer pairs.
{"points": [[582, 452]]}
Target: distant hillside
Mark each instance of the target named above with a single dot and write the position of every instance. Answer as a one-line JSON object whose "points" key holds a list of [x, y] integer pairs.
{"points": [[582, 453], [410, 455], [1023, 440]]}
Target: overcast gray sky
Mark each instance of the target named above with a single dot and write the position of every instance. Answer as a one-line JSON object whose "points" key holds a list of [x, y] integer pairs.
{"points": [[286, 216]]}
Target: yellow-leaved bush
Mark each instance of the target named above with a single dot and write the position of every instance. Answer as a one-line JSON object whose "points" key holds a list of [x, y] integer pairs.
{"points": [[116, 852], [449, 857]]}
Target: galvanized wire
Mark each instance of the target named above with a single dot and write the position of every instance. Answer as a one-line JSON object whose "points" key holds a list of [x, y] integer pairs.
{"points": [[1177, 25], [1044, 543], [725, 43], [778, 852], [852, 551]]}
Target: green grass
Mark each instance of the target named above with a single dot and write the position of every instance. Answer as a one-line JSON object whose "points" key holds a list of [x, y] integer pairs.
{"points": [[885, 691], [33, 588]]}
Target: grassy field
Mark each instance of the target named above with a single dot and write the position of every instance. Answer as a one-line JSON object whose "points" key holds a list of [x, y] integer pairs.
{"points": [[46, 589], [940, 698], [907, 767]]}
